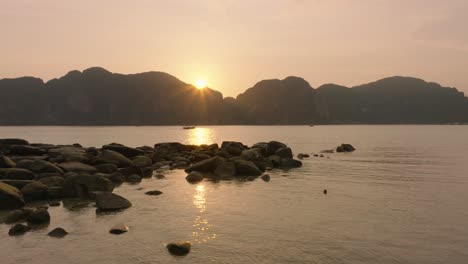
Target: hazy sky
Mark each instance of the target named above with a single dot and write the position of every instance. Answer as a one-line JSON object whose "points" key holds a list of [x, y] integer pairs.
{"points": [[235, 43]]}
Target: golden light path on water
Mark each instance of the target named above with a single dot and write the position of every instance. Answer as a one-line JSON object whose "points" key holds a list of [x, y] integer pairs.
{"points": [[200, 135], [201, 226]]}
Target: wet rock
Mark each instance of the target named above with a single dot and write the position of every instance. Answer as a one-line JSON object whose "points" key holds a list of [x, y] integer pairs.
{"points": [[17, 183], [54, 181], [78, 167], [39, 217], [179, 248], [252, 154], [265, 177], [112, 157], [92, 151], [18, 229], [247, 168], [147, 172], [327, 151], [55, 193], [273, 146], [106, 168], [208, 165], [117, 178], [250, 178], [58, 233], [18, 174], [142, 161], [233, 148], [120, 229], [134, 179], [225, 170], [19, 215], [70, 153], [82, 185], [153, 193], [39, 166], [6, 162], [13, 141], [34, 191], [284, 153], [290, 163], [325, 191], [107, 201], [124, 150], [345, 148], [275, 160], [194, 177], [132, 170], [25, 150]]}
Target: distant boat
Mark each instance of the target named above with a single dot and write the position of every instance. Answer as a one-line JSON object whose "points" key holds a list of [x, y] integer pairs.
{"points": [[188, 127]]}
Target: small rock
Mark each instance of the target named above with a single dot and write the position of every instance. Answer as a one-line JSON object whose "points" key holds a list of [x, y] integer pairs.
{"points": [[345, 148], [325, 191], [180, 248], [153, 193], [194, 177], [18, 229], [39, 217], [265, 177], [58, 233], [107, 201], [159, 176], [117, 230]]}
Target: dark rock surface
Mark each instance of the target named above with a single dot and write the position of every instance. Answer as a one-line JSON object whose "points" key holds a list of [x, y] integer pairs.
{"points": [[179, 248], [107, 201]]}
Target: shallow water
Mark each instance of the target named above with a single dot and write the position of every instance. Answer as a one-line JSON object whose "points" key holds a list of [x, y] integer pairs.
{"points": [[400, 198]]}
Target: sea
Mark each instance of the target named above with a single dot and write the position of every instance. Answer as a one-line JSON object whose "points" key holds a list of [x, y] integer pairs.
{"points": [[401, 197]]}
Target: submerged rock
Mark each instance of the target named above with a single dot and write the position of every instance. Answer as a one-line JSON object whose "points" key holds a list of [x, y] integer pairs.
{"points": [[10, 197], [18, 229], [154, 193], [107, 201], [117, 230], [179, 248], [58, 233]]}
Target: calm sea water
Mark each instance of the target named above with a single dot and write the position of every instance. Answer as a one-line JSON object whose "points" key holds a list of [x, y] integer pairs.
{"points": [[402, 197]]}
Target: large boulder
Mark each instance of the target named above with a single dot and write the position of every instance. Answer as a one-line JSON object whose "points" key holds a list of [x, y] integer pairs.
{"points": [[142, 161], [25, 150], [107, 201], [6, 162], [284, 153], [10, 197], [124, 150], [179, 248], [49, 174], [225, 170], [345, 148], [208, 165], [54, 181], [17, 174], [34, 191], [273, 146], [112, 157], [39, 166], [39, 217], [247, 168], [78, 167], [83, 185], [70, 153]]}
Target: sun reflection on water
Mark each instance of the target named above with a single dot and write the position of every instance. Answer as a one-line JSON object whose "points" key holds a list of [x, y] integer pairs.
{"points": [[200, 135], [201, 226]]}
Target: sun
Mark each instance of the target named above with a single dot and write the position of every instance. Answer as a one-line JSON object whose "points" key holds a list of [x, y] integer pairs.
{"points": [[200, 84]]}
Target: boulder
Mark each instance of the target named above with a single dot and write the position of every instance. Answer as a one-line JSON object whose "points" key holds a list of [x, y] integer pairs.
{"points": [[17, 183], [18, 174], [6, 162], [55, 192], [208, 165], [194, 177], [69, 153], [265, 177], [142, 161], [10, 197], [19, 215], [82, 185], [179, 248], [275, 160], [78, 167], [39, 217], [39, 166], [225, 170], [34, 191], [284, 153], [132, 170], [116, 178], [134, 179], [345, 148], [290, 163], [273, 146], [112, 157], [25, 150], [18, 229], [58, 233], [147, 172], [247, 168], [13, 141], [124, 150], [159, 176], [107, 201], [106, 168], [54, 181], [252, 154], [153, 193], [232, 147], [120, 229]]}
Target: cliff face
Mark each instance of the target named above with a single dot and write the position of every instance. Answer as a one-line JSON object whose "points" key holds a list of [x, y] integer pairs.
{"points": [[99, 97]]}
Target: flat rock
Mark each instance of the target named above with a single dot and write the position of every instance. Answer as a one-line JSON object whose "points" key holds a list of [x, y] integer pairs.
{"points": [[107, 201], [18, 174], [70, 153], [124, 150], [39, 166]]}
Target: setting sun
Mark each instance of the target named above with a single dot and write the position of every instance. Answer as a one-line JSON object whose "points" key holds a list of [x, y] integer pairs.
{"points": [[200, 84]]}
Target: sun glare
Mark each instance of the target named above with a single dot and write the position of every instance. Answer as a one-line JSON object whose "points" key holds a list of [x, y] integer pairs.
{"points": [[200, 84]]}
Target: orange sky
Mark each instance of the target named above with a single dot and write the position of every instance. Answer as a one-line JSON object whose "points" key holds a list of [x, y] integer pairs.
{"points": [[235, 43]]}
